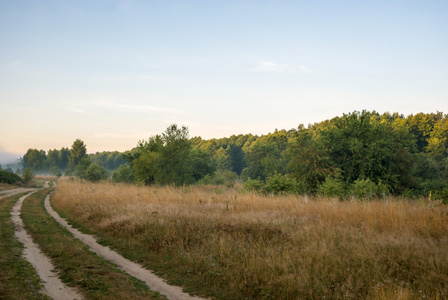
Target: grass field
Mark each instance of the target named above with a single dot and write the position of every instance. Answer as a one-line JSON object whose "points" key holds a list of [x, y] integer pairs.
{"points": [[18, 279], [77, 266], [229, 245]]}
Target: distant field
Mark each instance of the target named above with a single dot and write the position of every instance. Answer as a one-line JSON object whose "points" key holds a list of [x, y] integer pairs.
{"points": [[222, 243]]}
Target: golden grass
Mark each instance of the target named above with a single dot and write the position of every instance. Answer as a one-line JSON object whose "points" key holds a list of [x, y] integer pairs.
{"points": [[232, 245]]}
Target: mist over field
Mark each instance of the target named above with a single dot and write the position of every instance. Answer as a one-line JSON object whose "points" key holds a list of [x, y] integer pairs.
{"points": [[8, 158]]}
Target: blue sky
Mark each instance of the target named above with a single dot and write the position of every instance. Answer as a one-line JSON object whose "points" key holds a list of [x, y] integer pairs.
{"points": [[115, 72]]}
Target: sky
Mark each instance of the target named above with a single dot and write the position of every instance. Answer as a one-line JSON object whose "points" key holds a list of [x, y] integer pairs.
{"points": [[112, 73]]}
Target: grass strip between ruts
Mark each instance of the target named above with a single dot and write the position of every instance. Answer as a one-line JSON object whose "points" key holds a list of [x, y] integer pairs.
{"points": [[18, 279], [78, 266]]}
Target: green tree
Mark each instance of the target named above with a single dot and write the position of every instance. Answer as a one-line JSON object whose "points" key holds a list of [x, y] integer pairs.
{"points": [[145, 167], [63, 158], [174, 164], [124, 173], [77, 153], [222, 159], [34, 159], [360, 146], [263, 160], [201, 163], [81, 167], [95, 173], [308, 158]]}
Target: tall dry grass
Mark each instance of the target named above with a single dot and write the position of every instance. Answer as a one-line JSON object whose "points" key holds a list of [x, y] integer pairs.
{"points": [[232, 246]]}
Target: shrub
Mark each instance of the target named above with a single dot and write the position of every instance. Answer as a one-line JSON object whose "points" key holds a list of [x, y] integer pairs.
{"points": [[55, 171], [28, 175], [332, 187], [253, 185], [229, 177], [95, 173], [382, 189], [363, 188], [9, 177], [226, 177], [280, 184], [124, 173], [441, 195]]}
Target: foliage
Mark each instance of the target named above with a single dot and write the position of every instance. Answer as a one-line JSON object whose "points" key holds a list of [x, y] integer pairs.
{"points": [[78, 152], [55, 171], [333, 186], [9, 177], [253, 185], [367, 189], [309, 161], [34, 159], [263, 160], [400, 155], [81, 168], [360, 146], [27, 175], [95, 173], [109, 160], [124, 173], [220, 177], [280, 184], [169, 159]]}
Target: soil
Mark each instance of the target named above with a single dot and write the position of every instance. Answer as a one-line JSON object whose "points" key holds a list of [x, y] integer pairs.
{"points": [[154, 282], [53, 286]]}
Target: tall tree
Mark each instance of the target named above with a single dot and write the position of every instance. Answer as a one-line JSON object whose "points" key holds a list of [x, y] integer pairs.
{"points": [[35, 159], [77, 153], [174, 164]]}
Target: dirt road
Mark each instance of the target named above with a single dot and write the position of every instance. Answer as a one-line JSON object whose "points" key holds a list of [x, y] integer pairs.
{"points": [[9, 193], [53, 286], [152, 281]]}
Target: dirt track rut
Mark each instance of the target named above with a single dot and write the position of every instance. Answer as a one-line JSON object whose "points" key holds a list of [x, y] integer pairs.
{"points": [[154, 282], [53, 286]]}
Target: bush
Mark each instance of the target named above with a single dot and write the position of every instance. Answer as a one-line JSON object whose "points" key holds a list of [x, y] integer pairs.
{"points": [[382, 189], [27, 175], [332, 187], [9, 177], [363, 188], [280, 184], [95, 173], [441, 195], [55, 171], [226, 177], [366, 189], [124, 173], [253, 185]]}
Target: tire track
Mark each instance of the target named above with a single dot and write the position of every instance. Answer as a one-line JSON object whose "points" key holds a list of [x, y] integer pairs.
{"points": [[53, 286], [154, 282]]}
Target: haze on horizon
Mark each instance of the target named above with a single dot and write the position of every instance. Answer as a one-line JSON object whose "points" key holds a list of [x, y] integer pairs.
{"points": [[114, 72]]}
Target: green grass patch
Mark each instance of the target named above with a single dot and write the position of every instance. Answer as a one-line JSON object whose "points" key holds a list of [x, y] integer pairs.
{"points": [[18, 279], [79, 267]]}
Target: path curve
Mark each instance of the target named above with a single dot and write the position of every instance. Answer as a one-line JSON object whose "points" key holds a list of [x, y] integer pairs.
{"points": [[154, 282], [12, 192], [53, 286]]}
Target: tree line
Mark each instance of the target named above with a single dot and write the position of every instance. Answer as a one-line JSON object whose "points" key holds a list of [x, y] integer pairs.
{"points": [[359, 153]]}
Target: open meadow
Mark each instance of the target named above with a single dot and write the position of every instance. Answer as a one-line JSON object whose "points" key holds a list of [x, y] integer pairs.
{"points": [[226, 244]]}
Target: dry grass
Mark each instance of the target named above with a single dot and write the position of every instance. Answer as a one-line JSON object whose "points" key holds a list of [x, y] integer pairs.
{"points": [[233, 246]]}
